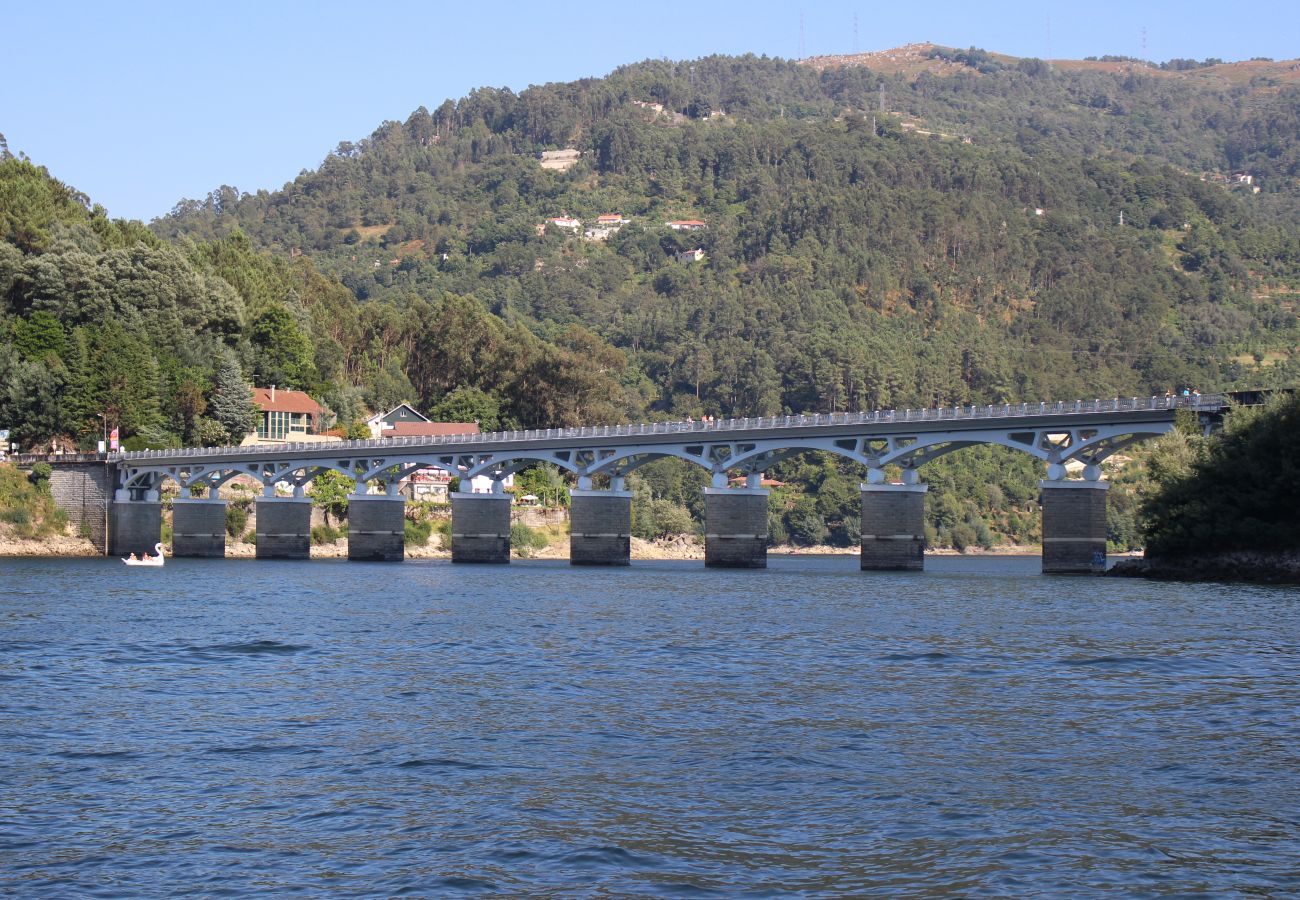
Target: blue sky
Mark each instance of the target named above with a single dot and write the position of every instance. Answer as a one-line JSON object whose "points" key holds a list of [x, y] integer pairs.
{"points": [[142, 104]]}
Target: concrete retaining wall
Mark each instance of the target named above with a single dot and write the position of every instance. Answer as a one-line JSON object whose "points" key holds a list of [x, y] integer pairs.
{"points": [[893, 527], [376, 528], [1074, 527], [283, 528], [600, 528], [199, 528], [735, 525], [480, 528]]}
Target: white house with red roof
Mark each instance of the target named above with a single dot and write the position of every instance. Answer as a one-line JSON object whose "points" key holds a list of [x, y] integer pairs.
{"points": [[685, 225]]}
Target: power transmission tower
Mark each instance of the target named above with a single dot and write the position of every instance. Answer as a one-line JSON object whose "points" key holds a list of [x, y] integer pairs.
{"points": [[855, 33], [802, 52]]}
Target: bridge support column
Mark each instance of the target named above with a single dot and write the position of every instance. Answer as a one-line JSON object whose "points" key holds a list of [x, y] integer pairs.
{"points": [[135, 525], [600, 528], [735, 526], [283, 528], [376, 527], [480, 528], [893, 527], [1074, 527], [198, 527]]}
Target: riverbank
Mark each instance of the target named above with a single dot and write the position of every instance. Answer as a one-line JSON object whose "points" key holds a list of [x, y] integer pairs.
{"points": [[1258, 568], [682, 547]]}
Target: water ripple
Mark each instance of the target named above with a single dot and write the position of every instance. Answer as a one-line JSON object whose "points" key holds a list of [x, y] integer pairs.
{"points": [[662, 731]]}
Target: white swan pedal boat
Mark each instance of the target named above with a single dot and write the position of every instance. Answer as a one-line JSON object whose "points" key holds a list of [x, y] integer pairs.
{"points": [[145, 559]]}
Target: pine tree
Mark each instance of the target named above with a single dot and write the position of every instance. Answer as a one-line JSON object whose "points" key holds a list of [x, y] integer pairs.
{"points": [[232, 398]]}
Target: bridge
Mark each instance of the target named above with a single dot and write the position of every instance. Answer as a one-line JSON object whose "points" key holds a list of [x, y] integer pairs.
{"points": [[1082, 433]]}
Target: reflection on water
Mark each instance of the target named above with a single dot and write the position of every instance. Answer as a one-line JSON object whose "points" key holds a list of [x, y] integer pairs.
{"points": [[297, 728]]}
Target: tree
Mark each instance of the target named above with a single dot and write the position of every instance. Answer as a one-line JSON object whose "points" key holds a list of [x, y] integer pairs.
{"points": [[284, 353], [232, 398], [329, 493], [468, 404]]}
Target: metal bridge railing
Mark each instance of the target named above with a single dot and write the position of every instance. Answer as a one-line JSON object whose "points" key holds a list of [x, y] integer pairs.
{"points": [[886, 416]]}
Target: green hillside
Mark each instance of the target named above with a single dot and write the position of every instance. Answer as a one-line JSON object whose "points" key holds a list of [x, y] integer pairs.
{"points": [[923, 226], [844, 268]]}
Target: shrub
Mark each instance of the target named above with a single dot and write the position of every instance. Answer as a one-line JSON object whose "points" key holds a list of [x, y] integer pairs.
{"points": [[236, 519], [521, 538], [525, 540], [250, 537], [417, 533], [40, 476]]}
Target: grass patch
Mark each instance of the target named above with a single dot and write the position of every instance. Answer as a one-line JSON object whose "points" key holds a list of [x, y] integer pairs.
{"points": [[325, 534], [26, 505]]}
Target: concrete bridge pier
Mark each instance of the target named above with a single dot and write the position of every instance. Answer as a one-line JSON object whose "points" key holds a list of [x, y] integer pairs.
{"points": [[135, 525], [198, 527], [377, 527], [600, 525], [284, 526], [1074, 525], [893, 523], [735, 525], [480, 528]]}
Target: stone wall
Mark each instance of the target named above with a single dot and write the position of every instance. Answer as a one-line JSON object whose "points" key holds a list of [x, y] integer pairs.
{"points": [[84, 491], [198, 528], [136, 527], [735, 524], [1074, 527], [893, 527], [480, 528], [283, 528], [376, 528], [601, 528]]}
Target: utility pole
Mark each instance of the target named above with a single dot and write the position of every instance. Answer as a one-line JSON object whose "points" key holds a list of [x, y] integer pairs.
{"points": [[855, 33]]}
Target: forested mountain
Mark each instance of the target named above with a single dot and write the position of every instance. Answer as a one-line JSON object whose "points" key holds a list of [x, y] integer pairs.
{"points": [[847, 265], [917, 227], [101, 318]]}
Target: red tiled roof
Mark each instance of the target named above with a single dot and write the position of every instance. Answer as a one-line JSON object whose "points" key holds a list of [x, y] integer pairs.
{"points": [[285, 401], [430, 429]]}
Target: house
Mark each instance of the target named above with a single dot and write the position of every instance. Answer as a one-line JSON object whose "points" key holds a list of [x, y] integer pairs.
{"points": [[286, 416], [690, 256], [482, 484], [404, 420], [432, 485], [1243, 178], [403, 412], [685, 225], [565, 222], [610, 219]]}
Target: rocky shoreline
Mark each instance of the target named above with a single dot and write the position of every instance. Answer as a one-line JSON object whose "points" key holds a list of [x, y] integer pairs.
{"points": [[1259, 568], [683, 547]]}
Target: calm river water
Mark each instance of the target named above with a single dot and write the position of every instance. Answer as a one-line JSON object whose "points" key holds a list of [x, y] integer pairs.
{"points": [[231, 728]]}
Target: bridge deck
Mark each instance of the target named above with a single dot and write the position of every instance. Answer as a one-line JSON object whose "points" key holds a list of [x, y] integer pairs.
{"points": [[1026, 416]]}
